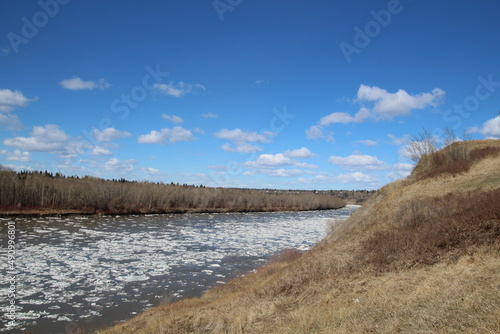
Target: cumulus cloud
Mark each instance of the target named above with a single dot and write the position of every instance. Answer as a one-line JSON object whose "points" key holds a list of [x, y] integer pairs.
{"points": [[276, 160], [43, 139], [166, 135], [150, 171], [50, 139], [388, 105], [9, 100], [355, 161], [17, 155], [238, 135], [490, 128], [109, 134], [241, 140], [173, 118], [177, 89], [98, 150], [11, 122], [355, 177], [314, 132], [301, 153], [77, 83], [116, 166], [378, 104], [343, 117], [273, 160]]}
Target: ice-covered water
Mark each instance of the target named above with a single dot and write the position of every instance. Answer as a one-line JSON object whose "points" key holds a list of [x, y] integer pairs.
{"points": [[87, 272]]}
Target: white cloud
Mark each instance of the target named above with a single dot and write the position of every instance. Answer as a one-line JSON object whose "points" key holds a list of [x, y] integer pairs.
{"points": [[109, 134], [368, 142], [242, 140], [11, 122], [9, 100], [276, 160], [173, 118], [237, 135], [491, 128], [165, 135], [273, 160], [17, 155], [356, 160], [385, 106], [343, 117], [98, 150], [285, 172], [209, 115], [44, 139], [177, 89], [119, 167], [49, 138], [151, 171], [301, 153], [76, 83], [314, 132], [388, 105], [355, 177]]}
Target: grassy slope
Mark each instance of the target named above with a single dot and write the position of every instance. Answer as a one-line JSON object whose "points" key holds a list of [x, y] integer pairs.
{"points": [[421, 256]]}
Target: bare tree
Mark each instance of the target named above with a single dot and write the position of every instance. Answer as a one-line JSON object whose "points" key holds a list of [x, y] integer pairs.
{"points": [[449, 136], [420, 145]]}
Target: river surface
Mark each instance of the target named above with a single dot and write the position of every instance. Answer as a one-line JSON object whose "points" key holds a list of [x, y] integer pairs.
{"points": [[77, 274]]}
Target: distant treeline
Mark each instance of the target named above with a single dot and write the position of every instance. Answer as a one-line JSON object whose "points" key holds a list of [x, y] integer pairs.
{"points": [[44, 192]]}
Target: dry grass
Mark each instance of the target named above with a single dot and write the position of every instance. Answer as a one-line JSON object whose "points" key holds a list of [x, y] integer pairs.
{"points": [[408, 261]]}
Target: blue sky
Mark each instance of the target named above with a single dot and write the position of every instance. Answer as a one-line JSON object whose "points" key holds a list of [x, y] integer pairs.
{"points": [[243, 93]]}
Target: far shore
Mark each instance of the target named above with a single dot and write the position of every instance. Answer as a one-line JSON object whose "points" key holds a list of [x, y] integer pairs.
{"points": [[71, 212]]}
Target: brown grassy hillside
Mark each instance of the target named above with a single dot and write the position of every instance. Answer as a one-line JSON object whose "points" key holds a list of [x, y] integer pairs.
{"points": [[421, 256]]}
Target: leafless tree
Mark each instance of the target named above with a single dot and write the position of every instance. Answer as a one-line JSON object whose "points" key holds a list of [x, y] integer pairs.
{"points": [[420, 145]]}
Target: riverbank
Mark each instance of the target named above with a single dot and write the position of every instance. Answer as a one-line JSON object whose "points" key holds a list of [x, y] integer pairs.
{"points": [[420, 256], [65, 213], [45, 194]]}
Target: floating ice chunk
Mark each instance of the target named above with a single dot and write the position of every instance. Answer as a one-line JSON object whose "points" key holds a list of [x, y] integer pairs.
{"points": [[63, 318], [133, 278], [30, 315]]}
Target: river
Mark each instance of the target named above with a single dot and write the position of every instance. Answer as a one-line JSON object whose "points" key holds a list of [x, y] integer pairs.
{"points": [[85, 272]]}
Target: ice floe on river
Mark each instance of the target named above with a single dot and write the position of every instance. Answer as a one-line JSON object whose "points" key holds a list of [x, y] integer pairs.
{"points": [[74, 269]]}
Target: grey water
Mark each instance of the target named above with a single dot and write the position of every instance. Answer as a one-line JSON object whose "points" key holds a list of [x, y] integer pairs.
{"points": [[82, 273]]}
